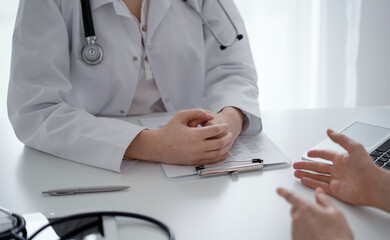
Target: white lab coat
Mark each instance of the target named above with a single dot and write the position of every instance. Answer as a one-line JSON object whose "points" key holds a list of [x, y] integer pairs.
{"points": [[56, 102]]}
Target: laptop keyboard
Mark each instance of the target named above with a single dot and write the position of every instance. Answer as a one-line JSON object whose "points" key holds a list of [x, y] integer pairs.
{"points": [[381, 155]]}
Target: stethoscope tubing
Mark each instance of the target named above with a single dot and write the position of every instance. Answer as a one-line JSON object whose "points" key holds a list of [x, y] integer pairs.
{"points": [[19, 224], [164, 227], [223, 45], [89, 29]]}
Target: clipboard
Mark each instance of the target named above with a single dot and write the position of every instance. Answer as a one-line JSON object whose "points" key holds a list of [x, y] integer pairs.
{"points": [[249, 153]]}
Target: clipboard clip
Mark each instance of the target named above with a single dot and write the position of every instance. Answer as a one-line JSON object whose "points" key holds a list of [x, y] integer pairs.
{"points": [[257, 164]]}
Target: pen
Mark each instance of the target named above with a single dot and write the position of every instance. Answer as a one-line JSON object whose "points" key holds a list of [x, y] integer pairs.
{"points": [[256, 164], [80, 190]]}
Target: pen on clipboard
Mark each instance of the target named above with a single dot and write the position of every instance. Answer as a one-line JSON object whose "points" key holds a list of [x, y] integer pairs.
{"points": [[256, 164], [81, 190]]}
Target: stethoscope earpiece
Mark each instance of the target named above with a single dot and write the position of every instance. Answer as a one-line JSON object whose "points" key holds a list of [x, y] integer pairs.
{"points": [[222, 47], [239, 38]]}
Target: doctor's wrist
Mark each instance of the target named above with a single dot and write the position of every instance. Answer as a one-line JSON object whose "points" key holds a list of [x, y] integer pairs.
{"points": [[142, 146], [235, 118], [234, 112]]}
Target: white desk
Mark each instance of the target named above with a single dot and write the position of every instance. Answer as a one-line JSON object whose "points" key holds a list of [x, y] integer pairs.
{"points": [[213, 208]]}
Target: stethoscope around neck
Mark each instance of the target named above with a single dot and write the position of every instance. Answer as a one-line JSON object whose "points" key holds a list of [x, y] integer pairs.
{"points": [[93, 54]]}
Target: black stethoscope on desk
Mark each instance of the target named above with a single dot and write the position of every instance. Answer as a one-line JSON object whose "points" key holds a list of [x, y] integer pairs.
{"points": [[92, 53], [17, 229]]}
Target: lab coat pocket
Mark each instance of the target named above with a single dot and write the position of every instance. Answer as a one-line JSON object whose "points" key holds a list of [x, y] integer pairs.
{"points": [[91, 85]]}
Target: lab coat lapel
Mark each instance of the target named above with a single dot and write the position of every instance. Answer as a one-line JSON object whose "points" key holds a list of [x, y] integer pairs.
{"points": [[120, 9], [97, 3], [157, 11]]}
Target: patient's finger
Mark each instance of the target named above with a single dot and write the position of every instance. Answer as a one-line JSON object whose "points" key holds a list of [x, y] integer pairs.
{"points": [[289, 196], [324, 154], [312, 183], [313, 166], [322, 178], [339, 138]]}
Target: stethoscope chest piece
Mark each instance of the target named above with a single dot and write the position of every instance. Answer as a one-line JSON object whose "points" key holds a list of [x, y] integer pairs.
{"points": [[92, 53]]}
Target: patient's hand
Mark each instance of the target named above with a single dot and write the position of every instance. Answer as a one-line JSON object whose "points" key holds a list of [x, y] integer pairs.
{"points": [[353, 177], [320, 220]]}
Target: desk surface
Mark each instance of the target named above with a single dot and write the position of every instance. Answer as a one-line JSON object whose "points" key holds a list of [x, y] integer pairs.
{"points": [[220, 207]]}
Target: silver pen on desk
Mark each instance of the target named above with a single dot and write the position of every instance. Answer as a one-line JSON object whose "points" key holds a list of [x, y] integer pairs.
{"points": [[80, 190]]}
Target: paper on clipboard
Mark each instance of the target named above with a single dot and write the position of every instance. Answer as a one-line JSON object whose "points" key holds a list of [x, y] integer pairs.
{"points": [[243, 151]]}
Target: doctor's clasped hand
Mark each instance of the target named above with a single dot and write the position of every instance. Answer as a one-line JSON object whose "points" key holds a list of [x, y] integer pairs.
{"points": [[180, 141]]}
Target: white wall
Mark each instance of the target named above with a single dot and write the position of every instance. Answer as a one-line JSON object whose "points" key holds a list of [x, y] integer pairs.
{"points": [[280, 35], [374, 53]]}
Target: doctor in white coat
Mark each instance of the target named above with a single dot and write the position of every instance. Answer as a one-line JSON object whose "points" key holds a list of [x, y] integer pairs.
{"points": [[158, 57]]}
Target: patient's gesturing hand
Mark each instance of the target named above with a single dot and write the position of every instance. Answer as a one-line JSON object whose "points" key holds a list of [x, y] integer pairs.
{"points": [[353, 177], [320, 220]]}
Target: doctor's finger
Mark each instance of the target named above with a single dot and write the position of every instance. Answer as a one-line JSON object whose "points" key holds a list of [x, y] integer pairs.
{"points": [[187, 116], [211, 160], [212, 123], [199, 162], [220, 143], [313, 166], [213, 131], [216, 155], [204, 160], [197, 122]]}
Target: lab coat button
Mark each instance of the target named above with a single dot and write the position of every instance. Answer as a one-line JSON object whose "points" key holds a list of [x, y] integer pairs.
{"points": [[149, 47], [144, 28], [135, 59], [122, 112], [166, 100]]}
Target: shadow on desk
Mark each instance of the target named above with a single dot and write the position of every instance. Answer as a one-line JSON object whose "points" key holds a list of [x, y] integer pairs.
{"points": [[38, 171]]}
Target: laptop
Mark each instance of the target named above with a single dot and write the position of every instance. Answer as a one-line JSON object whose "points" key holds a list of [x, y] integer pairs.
{"points": [[372, 130]]}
